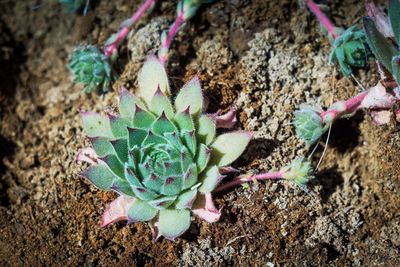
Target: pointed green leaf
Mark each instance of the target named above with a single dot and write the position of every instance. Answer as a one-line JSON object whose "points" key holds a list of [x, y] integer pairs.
{"points": [[189, 139], [161, 103], [184, 120], [122, 187], [120, 149], [162, 202], [102, 146], [96, 125], [153, 138], [202, 157], [143, 193], [131, 177], [228, 147], [127, 104], [163, 125], [186, 199], [153, 182], [190, 178], [172, 186], [173, 223], [140, 211], [150, 77], [205, 129], [114, 164], [119, 126], [136, 137], [210, 178], [190, 96], [380, 46], [394, 16], [100, 175], [174, 140], [143, 119], [396, 68]]}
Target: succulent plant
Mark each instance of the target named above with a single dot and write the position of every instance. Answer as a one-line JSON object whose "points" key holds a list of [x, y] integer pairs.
{"points": [[387, 53], [350, 49], [164, 159], [308, 123], [75, 5], [91, 68]]}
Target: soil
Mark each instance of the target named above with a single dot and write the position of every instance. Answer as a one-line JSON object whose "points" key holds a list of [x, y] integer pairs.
{"points": [[264, 57]]}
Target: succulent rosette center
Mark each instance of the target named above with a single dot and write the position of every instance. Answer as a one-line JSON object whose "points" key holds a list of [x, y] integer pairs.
{"points": [[163, 159]]}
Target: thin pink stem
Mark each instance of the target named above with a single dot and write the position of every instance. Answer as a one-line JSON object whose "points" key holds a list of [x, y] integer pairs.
{"points": [[123, 31], [171, 34], [350, 106], [245, 179], [323, 19]]}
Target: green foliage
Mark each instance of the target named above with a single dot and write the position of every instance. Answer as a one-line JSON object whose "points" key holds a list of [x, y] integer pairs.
{"points": [[160, 154], [308, 124], [350, 49], [299, 171], [92, 69], [385, 51]]}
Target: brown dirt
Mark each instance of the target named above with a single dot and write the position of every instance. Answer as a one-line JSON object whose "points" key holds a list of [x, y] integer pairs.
{"points": [[265, 57]]}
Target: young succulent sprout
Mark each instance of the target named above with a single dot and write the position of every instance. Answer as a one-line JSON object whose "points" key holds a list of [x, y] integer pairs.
{"points": [[92, 67], [75, 5], [387, 53], [299, 171], [164, 159], [185, 10], [349, 47]]}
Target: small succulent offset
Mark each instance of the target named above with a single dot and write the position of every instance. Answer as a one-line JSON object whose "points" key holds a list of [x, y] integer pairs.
{"points": [[387, 53], [350, 49], [164, 159], [75, 5], [91, 68]]}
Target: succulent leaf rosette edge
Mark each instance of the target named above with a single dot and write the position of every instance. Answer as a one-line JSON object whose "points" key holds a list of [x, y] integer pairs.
{"points": [[164, 159]]}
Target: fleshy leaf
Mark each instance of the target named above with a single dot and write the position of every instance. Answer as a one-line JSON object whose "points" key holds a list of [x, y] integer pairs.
{"points": [[161, 103], [122, 187], [204, 208], [202, 157], [142, 119], [143, 193], [162, 202], [140, 211], [205, 129], [184, 120], [136, 137], [210, 178], [100, 175], [150, 77], [173, 223], [163, 125], [114, 164], [126, 104], [95, 124], [190, 96], [172, 186], [116, 211], [394, 16], [186, 199], [228, 147], [380, 46], [190, 177], [121, 149], [119, 126], [102, 146], [131, 177], [189, 138]]}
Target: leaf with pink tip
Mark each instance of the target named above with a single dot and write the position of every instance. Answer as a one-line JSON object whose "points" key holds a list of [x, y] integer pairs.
{"points": [[227, 120], [228, 147], [378, 97], [173, 223], [150, 77], [162, 202], [127, 105], [210, 178], [204, 208], [140, 211], [161, 103], [202, 157], [116, 211], [95, 124], [119, 126], [102, 146], [205, 129], [87, 155], [190, 96]]}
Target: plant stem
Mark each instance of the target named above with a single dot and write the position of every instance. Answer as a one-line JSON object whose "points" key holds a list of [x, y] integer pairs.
{"points": [[124, 30], [163, 56], [323, 19], [347, 107], [245, 179]]}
